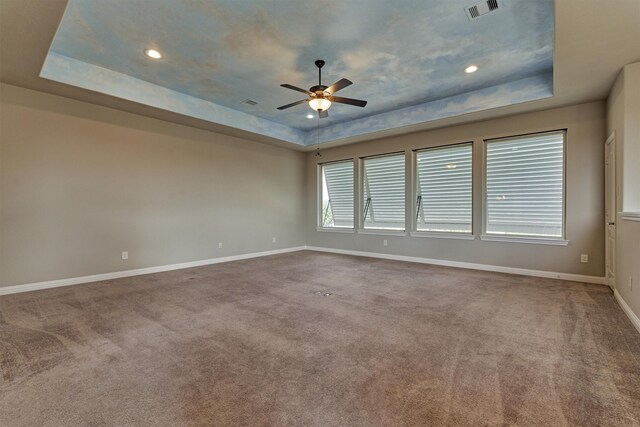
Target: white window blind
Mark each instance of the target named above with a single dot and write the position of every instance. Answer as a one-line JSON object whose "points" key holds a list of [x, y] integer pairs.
{"points": [[525, 185], [444, 189], [337, 195], [384, 192]]}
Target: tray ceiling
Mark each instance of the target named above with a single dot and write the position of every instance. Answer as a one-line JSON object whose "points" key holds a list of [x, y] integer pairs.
{"points": [[407, 59]]}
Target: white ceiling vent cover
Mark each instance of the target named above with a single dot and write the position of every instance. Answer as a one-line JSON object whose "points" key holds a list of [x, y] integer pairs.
{"points": [[479, 9], [249, 102]]}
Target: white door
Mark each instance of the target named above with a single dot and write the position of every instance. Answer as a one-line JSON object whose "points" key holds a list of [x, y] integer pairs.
{"points": [[610, 210]]}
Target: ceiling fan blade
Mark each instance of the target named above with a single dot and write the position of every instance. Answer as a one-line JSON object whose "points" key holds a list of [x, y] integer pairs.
{"points": [[350, 101], [323, 114], [288, 86], [293, 104], [340, 84]]}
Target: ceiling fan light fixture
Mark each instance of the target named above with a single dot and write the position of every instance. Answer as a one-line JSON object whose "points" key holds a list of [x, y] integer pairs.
{"points": [[319, 104]]}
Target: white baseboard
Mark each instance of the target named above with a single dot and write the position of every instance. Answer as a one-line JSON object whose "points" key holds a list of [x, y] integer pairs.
{"points": [[128, 273], [630, 314], [148, 270], [468, 265]]}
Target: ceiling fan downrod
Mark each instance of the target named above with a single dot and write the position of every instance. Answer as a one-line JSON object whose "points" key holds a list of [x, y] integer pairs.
{"points": [[319, 64]]}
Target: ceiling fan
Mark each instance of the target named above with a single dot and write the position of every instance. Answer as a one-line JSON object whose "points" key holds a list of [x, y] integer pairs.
{"points": [[321, 97]]}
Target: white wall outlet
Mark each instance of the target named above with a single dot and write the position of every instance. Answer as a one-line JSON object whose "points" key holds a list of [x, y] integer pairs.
{"points": [[384, 242], [630, 283], [273, 239], [584, 258], [125, 255], [219, 245]]}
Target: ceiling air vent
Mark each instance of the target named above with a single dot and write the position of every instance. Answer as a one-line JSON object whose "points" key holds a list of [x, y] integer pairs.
{"points": [[482, 8], [249, 102]]}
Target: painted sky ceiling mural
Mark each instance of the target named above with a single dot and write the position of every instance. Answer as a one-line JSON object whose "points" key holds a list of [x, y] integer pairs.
{"points": [[406, 58]]}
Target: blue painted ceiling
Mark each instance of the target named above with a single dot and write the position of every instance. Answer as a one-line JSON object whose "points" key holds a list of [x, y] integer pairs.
{"points": [[217, 53]]}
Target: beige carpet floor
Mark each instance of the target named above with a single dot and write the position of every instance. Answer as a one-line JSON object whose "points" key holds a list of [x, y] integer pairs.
{"points": [[313, 339]]}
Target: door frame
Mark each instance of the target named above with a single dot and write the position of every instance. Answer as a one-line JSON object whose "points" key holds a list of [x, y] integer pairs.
{"points": [[610, 218]]}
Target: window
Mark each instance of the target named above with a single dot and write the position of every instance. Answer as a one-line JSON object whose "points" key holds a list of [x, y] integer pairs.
{"points": [[337, 195], [525, 185], [444, 189], [383, 192]]}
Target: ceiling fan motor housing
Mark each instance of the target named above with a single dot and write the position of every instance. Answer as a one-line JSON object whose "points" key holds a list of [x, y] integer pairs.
{"points": [[318, 89]]}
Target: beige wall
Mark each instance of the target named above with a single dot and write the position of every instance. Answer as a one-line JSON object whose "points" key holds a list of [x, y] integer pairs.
{"points": [[584, 194], [628, 262], [623, 117], [631, 160], [79, 184]]}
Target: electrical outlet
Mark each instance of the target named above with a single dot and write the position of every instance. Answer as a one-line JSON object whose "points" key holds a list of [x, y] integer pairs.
{"points": [[584, 258], [630, 283], [384, 242], [273, 239], [219, 245], [125, 255]]}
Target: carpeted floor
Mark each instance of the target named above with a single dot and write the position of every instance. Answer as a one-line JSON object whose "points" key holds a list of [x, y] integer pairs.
{"points": [[318, 339]]}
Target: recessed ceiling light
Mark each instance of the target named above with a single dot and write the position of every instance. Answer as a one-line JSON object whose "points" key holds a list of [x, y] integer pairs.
{"points": [[471, 69], [152, 53], [309, 116]]}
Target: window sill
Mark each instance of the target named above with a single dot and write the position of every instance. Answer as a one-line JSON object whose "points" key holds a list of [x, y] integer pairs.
{"points": [[442, 235], [336, 229], [630, 216], [531, 240], [383, 232]]}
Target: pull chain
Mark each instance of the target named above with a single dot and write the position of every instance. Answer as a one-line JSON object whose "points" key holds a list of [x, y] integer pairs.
{"points": [[318, 135]]}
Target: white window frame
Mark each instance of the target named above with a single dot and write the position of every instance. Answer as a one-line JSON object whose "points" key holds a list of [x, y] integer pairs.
{"points": [[319, 192], [360, 195], [414, 193], [557, 241]]}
